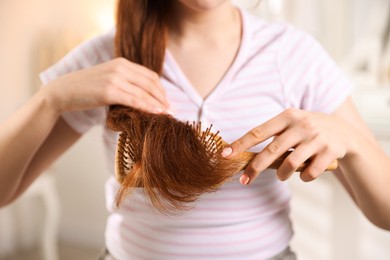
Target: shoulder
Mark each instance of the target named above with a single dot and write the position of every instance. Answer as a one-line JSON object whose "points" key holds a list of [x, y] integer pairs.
{"points": [[91, 52], [279, 34], [97, 49]]}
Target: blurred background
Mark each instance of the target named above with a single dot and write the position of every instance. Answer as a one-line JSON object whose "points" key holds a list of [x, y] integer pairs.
{"points": [[62, 216]]}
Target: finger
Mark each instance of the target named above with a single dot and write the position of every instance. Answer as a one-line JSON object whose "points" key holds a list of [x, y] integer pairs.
{"points": [[140, 76], [317, 166], [124, 93], [147, 85], [279, 145], [129, 80], [143, 70], [257, 135], [245, 179], [150, 79], [139, 101], [295, 159], [146, 98], [138, 68]]}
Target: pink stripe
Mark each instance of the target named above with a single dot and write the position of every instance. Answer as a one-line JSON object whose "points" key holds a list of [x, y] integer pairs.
{"points": [[301, 75], [67, 64], [192, 232], [57, 70], [324, 85], [187, 110], [186, 101], [229, 130], [108, 48], [254, 210], [241, 84], [258, 70], [302, 68], [49, 75], [257, 185], [118, 241], [225, 244], [207, 217], [238, 118], [319, 72], [96, 51], [286, 234], [208, 244], [262, 87], [161, 253], [268, 32], [336, 96], [253, 96], [76, 59], [295, 47], [83, 58], [310, 62], [224, 113], [257, 206], [241, 198], [254, 83], [263, 70]]}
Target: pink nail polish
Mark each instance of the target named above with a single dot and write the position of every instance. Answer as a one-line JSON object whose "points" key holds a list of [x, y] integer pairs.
{"points": [[157, 110], [227, 151], [244, 180], [169, 112]]}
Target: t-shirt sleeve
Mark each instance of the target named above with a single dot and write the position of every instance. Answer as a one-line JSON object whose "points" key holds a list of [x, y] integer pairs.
{"points": [[87, 54], [311, 79]]}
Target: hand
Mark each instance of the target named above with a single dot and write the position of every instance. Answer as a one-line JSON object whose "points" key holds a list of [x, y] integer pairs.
{"points": [[118, 81], [322, 138]]}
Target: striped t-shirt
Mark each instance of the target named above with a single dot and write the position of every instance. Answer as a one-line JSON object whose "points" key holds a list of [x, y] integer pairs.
{"points": [[277, 67]]}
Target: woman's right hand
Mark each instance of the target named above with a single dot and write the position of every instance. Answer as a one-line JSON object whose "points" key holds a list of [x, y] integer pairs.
{"points": [[116, 82]]}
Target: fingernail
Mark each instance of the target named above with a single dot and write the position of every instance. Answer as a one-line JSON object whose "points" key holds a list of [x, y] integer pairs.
{"points": [[244, 180], [158, 110], [227, 151], [170, 112]]}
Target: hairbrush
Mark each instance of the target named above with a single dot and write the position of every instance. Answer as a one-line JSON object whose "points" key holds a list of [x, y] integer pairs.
{"points": [[175, 162], [213, 144]]}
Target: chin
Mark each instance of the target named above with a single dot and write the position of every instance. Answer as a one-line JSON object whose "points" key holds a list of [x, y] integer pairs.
{"points": [[203, 4]]}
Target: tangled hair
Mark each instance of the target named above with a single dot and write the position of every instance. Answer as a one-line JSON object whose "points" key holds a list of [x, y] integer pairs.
{"points": [[168, 159]]}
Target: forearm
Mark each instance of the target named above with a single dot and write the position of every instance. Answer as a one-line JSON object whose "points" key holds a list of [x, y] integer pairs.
{"points": [[366, 168], [21, 135]]}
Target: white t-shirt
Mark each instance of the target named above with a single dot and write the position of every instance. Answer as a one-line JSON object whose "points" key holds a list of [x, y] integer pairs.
{"points": [[277, 67]]}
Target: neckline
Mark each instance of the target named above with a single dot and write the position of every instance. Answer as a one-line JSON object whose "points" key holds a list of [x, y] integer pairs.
{"points": [[184, 83]]}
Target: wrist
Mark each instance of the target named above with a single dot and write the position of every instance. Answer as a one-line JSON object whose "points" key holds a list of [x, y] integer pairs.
{"points": [[49, 100], [356, 141]]}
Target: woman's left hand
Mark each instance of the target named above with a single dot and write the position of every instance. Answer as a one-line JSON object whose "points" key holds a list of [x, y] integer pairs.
{"points": [[320, 137]]}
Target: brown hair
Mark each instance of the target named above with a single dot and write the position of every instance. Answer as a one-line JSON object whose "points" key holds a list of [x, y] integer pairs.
{"points": [[141, 30], [168, 159]]}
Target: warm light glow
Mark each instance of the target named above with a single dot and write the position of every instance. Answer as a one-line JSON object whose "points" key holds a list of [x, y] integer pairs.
{"points": [[104, 15], [276, 6]]}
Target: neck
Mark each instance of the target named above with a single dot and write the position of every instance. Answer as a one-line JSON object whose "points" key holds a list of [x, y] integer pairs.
{"points": [[210, 25]]}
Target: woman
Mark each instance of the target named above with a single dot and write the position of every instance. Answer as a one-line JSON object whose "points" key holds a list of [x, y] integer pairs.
{"points": [[267, 87]]}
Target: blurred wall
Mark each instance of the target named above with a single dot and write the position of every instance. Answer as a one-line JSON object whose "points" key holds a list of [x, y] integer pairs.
{"points": [[50, 28], [24, 23]]}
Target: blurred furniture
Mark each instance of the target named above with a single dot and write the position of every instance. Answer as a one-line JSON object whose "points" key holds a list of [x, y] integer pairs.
{"points": [[17, 220]]}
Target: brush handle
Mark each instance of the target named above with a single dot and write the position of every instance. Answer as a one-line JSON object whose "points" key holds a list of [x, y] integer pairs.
{"points": [[247, 157]]}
